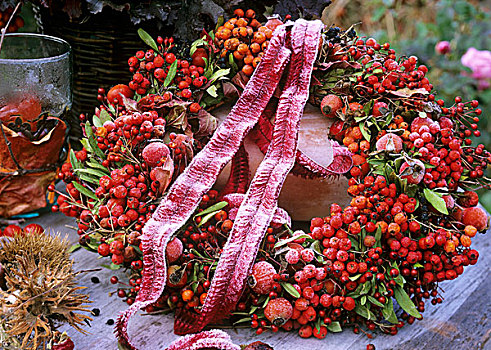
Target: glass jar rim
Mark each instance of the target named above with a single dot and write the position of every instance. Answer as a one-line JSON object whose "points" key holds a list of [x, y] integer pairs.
{"points": [[67, 49]]}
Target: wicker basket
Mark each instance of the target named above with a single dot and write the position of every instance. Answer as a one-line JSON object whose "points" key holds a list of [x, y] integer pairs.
{"points": [[101, 45]]}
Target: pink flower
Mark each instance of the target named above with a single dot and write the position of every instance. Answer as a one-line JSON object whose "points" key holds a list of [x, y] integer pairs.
{"points": [[480, 64], [442, 47]]}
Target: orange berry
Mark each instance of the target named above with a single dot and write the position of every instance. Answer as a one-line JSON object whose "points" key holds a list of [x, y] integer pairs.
{"points": [[248, 59], [364, 145], [239, 13], [225, 33], [202, 298], [187, 295], [256, 61], [353, 147], [235, 32], [394, 228], [229, 25], [247, 69], [264, 45], [398, 119], [255, 48], [242, 49], [348, 141], [255, 23], [250, 13], [241, 22], [238, 56], [470, 231], [449, 246], [243, 32], [259, 37], [465, 241]]}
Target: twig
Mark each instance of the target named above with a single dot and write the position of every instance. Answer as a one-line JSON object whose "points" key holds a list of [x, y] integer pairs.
{"points": [[4, 30]]}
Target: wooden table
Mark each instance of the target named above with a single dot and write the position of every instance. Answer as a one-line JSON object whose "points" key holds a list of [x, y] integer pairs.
{"points": [[460, 322]]}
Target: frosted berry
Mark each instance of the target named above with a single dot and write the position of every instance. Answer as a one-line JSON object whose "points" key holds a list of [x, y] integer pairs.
{"points": [[278, 311], [307, 255], [155, 153], [292, 256], [173, 250], [261, 280]]}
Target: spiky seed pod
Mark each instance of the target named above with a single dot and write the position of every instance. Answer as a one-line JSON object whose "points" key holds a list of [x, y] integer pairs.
{"points": [[41, 290]]}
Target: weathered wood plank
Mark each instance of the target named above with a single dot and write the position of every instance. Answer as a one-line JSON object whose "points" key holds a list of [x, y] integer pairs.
{"points": [[461, 322]]}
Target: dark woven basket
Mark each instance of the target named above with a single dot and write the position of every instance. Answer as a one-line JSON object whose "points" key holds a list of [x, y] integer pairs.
{"points": [[101, 45]]}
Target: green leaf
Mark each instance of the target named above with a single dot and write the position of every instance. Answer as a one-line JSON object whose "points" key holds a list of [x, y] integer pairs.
{"points": [[212, 90], [88, 178], [96, 121], [368, 108], [242, 320], [365, 132], [219, 74], [96, 165], [405, 302], [363, 311], [378, 236], [74, 161], [363, 300], [88, 130], [213, 208], [335, 327], [220, 21], [74, 248], [265, 302], [291, 239], [207, 218], [195, 45], [417, 265], [354, 242], [91, 171], [290, 289], [375, 301], [355, 277], [86, 145], [436, 201], [147, 39], [171, 74], [104, 116], [388, 312], [366, 288], [84, 191], [112, 266]]}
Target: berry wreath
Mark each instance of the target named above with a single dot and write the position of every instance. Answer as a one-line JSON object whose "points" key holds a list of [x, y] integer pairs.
{"points": [[210, 256]]}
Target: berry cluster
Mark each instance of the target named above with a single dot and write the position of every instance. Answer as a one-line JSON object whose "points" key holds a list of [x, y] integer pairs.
{"points": [[159, 67], [113, 183], [243, 37]]}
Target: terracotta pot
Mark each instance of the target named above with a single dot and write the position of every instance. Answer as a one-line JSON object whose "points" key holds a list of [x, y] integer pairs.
{"points": [[302, 198]]}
